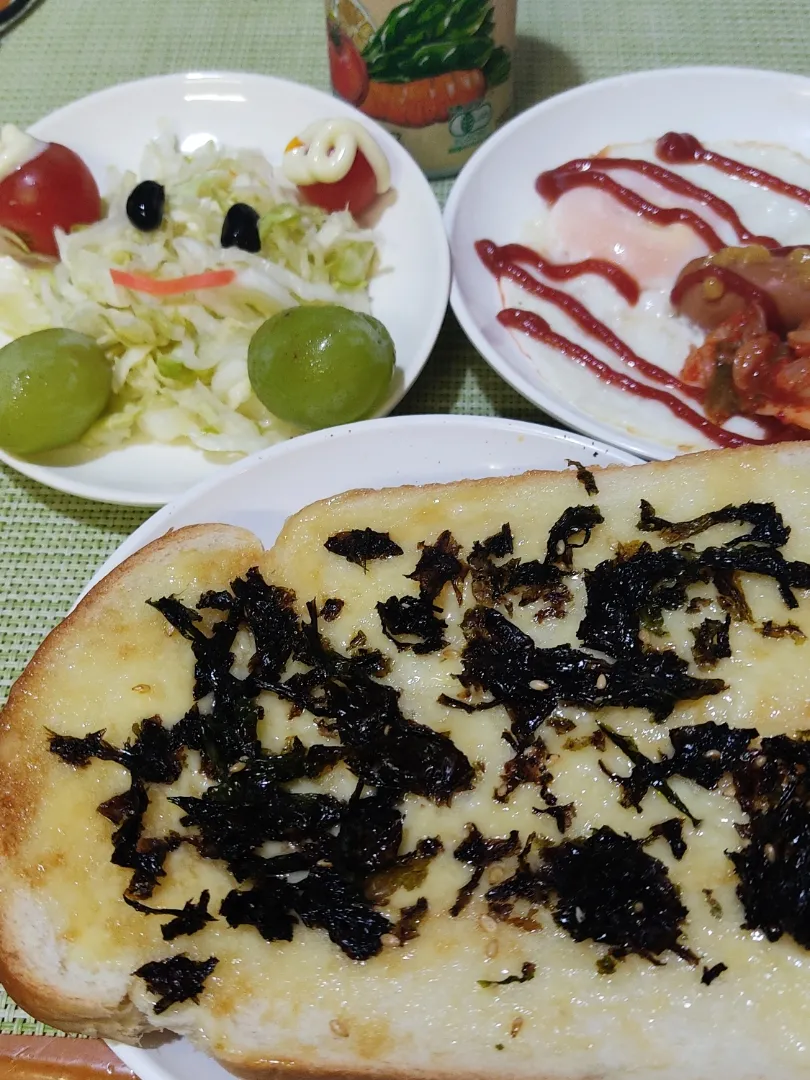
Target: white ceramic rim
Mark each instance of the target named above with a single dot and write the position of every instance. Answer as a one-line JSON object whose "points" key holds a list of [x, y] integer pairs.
{"points": [[172, 514]]}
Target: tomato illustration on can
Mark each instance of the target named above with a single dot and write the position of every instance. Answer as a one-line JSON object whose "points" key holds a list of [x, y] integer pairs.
{"points": [[437, 73], [347, 68]]}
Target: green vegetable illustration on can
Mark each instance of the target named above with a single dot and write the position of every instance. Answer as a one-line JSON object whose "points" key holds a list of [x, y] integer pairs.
{"points": [[435, 72]]}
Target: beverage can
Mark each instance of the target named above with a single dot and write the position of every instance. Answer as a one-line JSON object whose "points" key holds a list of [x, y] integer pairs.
{"points": [[436, 73]]}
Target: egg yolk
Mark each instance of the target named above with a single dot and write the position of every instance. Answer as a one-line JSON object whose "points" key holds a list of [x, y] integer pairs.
{"points": [[586, 223]]}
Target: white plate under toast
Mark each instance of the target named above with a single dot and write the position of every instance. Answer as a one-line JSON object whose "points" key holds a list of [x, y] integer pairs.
{"points": [[245, 111], [759, 117], [264, 490]]}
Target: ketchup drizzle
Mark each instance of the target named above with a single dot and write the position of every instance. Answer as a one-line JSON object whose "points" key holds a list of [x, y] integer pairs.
{"points": [[552, 185], [592, 171], [493, 257], [502, 262], [680, 148], [536, 327], [622, 282]]}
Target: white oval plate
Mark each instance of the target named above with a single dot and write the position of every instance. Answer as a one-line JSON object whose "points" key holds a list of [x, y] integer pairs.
{"points": [[242, 110], [262, 491], [494, 198]]}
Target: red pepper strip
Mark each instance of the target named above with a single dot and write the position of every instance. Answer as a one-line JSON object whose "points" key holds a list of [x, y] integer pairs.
{"points": [[211, 279]]}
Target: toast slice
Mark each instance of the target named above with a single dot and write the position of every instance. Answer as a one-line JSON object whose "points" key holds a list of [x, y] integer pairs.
{"points": [[578, 843]]}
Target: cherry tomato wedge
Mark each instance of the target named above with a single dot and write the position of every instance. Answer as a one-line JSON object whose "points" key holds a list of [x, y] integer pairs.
{"points": [[355, 192], [53, 189]]}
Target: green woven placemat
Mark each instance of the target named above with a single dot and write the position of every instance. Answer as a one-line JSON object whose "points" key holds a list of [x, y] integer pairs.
{"points": [[50, 544], [13, 1021]]}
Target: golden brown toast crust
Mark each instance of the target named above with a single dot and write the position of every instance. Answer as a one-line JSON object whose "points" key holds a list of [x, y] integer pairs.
{"points": [[335, 504]]}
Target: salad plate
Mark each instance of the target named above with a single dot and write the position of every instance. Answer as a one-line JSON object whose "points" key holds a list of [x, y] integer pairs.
{"points": [[261, 492], [520, 188], [246, 112]]}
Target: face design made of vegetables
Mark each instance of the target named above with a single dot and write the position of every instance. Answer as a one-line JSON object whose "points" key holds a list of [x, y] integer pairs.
{"points": [[438, 64]]}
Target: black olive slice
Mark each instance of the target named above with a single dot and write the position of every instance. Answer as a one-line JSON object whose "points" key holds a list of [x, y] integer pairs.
{"points": [[145, 205], [241, 228]]}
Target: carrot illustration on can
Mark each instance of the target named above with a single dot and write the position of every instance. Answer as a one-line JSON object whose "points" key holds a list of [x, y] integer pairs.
{"points": [[426, 63]]}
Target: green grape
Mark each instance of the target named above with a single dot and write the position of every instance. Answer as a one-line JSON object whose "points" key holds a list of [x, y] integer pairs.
{"points": [[319, 366], [53, 385]]}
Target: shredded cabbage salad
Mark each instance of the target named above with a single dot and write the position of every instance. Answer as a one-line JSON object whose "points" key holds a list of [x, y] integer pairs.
{"points": [[180, 362]]}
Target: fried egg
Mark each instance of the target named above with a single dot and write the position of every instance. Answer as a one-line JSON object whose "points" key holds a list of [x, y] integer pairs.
{"points": [[588, 222]]}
